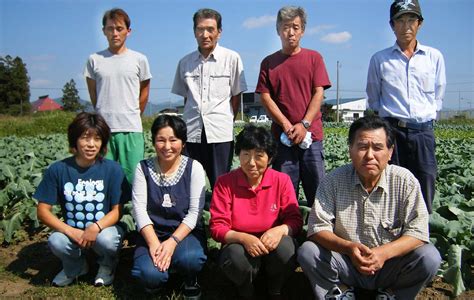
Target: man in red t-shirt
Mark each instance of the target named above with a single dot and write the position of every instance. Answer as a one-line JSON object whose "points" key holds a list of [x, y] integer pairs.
{"points": [[291, 86]]}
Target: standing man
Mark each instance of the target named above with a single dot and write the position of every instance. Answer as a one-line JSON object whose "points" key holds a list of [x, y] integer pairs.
{"points": [[118, 80], [368, 227], [406, 85], [211, 80], [291, 86]]}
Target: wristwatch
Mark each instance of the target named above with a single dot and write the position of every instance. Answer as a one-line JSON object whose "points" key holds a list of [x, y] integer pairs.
{"points": [[305, 123]]}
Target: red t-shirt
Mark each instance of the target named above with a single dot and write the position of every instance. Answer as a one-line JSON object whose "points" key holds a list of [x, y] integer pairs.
{"points": [[235, 206], [290, 81]]}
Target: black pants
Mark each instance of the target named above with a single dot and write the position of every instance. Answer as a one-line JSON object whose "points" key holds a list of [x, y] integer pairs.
{"points": [[415, 150], [242, 269], [216, 158]]}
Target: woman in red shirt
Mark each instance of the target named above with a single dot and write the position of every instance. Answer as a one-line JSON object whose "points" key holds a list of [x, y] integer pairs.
{"points": [[254, 214]]}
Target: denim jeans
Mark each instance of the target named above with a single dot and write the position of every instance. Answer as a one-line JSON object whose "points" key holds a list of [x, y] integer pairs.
{"points": [[107, 246], [187, 260]]}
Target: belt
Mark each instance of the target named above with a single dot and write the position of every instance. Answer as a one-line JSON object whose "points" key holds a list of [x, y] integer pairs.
{"points": [[416, 126]]}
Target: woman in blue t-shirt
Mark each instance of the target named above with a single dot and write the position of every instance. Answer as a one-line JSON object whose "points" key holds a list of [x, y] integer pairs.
{"points": [[89, 190], [168, 198]]}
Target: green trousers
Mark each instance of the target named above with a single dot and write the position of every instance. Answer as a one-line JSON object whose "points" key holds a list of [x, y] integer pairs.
{"points": [[128, 149]]}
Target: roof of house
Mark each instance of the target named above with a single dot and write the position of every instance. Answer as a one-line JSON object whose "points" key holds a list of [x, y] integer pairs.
{"points": [[342, 100], [45, 103]]}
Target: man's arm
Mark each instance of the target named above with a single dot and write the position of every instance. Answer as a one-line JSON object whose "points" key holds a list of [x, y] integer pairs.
{"points": [[275, 112], [234, 102], [144, 93], [298, 132], [373, 86], [91, 86], [400, 247]]}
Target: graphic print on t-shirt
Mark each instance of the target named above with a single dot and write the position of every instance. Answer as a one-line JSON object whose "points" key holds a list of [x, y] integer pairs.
{"points": [[84, 202]]}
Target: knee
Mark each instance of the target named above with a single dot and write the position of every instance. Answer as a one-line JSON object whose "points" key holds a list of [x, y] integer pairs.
{"points": [[233, 258], [193, 261], [430, 260], [58, 242], [109, 240], [308, 253], [147, 274]]}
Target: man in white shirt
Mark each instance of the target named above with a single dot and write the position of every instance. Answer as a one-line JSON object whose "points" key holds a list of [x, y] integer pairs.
{"points": [[406, 85], [211, 80]]}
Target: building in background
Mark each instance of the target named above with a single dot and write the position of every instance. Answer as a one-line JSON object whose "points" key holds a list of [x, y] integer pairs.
{"points": [[350, 109], [44, 103]]}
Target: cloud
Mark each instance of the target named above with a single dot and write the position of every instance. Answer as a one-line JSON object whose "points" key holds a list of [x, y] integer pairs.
{"points": [[40, 82], [336, 37], [256, 22], [318, 29]]}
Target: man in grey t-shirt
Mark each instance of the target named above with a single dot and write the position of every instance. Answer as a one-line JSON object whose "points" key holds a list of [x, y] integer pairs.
{"points": [[118, 80]]}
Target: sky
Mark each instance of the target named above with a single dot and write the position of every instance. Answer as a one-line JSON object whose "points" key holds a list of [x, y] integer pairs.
{"points": [[55, 37]]}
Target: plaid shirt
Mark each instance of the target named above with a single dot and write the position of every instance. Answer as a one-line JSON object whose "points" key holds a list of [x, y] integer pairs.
{"points": [[394, 208]]}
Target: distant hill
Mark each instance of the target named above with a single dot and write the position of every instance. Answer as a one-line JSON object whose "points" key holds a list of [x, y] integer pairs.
{"points": [[150, 110]]}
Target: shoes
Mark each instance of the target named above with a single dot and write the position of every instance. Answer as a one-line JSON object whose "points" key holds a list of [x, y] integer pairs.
{"points": [[61, 279], [384, 295], [336, 294], [105, 276], [192, 292]]}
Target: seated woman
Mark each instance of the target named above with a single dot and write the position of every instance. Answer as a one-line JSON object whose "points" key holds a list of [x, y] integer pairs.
{"points": [[254, 212], [89, 190], [168, 198]]}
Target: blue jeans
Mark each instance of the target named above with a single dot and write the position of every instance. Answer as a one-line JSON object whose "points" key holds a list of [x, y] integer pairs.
{"points": [[405, 275], [188, 259], [305, 165], [107, 246]]}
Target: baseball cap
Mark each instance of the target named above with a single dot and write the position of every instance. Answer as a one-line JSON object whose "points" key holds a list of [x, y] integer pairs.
{"points": [[400, 7]]}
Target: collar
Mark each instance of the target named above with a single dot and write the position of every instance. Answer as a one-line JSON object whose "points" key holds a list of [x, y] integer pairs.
{"points": [[419, 48], [215, 54], [264, 184], [382, 183]]}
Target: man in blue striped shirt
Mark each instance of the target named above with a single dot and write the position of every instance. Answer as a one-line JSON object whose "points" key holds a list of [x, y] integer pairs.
{"points": [[406, 85]]}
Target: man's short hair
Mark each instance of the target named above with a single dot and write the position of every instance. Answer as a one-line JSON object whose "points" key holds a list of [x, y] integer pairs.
{"points": [[371, 123], [114, 14], [258, 138], [207, 13], [288, 13], [84, 122]]}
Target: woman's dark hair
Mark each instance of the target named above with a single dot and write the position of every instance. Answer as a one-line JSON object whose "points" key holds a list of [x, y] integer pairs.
{"points": [[85, 121], [371, 123], [176, 123], [254, 137]]}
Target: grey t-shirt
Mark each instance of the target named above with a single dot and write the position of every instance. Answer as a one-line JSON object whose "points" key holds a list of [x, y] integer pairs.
{"points": [[118, 78]]}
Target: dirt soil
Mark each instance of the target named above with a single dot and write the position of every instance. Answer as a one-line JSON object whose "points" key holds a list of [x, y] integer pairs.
{"points": [[30, 265]]}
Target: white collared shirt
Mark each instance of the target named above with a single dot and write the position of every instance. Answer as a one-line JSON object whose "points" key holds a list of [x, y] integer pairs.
{"points": [[412, 89], [208, 85]]}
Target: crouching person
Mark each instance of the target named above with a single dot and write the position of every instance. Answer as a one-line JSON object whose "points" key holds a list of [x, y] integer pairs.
{"points": [[255, 214], [89, 190], [368, 227], [168, 199]]}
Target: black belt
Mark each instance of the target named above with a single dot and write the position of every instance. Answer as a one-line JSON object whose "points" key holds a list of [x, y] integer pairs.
{"points": [[416, 126]]}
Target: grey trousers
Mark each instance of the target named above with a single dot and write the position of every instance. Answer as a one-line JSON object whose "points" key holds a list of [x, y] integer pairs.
{"points": [[405, 275]]}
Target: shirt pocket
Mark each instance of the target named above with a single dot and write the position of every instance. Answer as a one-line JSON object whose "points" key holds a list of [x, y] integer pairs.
{"points": [[192, 79], [428, 82], [220, 85]]}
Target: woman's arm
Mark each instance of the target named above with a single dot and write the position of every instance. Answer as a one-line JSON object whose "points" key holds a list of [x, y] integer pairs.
{"points": [[92, 231], [49, 219], [139, 199], [197, 195]]}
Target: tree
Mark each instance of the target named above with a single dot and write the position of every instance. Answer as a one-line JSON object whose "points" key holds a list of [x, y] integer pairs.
{"points": [[328, 114], [71, 97], [14, 86]]}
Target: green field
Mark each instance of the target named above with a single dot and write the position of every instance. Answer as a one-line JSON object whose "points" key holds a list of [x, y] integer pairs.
{"points": [[28, 145]]}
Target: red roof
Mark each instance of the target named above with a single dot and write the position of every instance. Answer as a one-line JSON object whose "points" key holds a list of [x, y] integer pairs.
{"points": [[45, 103]]}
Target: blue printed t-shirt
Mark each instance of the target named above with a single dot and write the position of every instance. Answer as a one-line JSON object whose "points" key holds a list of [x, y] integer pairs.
{"points": [[85, 194]]}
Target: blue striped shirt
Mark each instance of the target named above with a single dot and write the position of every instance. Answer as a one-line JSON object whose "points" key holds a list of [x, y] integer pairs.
{"points": [[412, 89]]}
